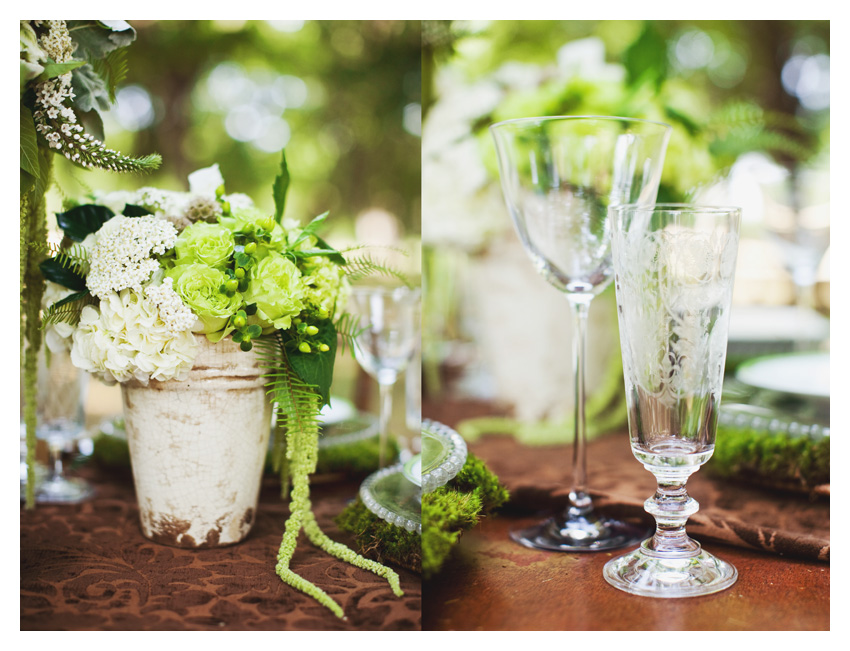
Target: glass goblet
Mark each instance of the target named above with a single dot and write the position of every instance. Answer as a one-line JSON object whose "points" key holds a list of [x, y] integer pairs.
{"points": [[386, 342], [61, 391], [674, 270], [559, 175]]}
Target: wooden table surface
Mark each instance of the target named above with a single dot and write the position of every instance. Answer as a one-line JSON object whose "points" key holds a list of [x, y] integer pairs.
{"points": [[492, 583]]}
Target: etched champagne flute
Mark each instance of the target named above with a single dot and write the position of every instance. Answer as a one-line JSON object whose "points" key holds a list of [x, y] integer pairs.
{"points": [[388, 337], [674, 270], [559, 175]]}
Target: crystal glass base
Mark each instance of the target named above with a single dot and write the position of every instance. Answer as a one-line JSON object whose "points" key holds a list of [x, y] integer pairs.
{"points": [[63, 491], [580, 533], [645, 573]]}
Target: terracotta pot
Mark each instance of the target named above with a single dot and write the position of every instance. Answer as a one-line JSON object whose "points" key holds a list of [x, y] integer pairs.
{"points": [[198, 448]]}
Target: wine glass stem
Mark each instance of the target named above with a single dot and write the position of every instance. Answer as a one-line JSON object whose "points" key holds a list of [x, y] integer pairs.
{"points": [[671, 506], [579, 499], [386, 410], [55, 452]]}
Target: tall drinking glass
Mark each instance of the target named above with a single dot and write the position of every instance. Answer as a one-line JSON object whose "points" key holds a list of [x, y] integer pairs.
{"points": [[674, 269], [559, 175], [389, 323]]}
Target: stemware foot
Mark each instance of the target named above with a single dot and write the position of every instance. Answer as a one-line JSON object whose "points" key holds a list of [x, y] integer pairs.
{"points": [[63, 491], [643, 573], [579, 533]]}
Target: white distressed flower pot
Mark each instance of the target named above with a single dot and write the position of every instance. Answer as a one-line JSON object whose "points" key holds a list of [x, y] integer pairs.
{"points": [[198, 448]]}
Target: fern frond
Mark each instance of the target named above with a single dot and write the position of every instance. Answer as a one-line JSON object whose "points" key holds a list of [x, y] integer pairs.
{"points": [[347, 328], [297, 403], [112, 69], [387, 247], [76, 258], [364, 266], [68, 310]]}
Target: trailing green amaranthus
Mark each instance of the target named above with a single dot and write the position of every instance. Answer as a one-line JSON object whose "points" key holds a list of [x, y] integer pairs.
{"points": [[297, 454]]}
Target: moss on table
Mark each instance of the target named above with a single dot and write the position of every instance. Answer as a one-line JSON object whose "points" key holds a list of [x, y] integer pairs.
{"points": [[380, 540], [456, 507], [446, 513], [777, 460]]}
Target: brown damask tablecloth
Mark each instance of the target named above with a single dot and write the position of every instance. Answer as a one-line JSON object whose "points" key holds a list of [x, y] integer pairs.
{"points": [[88, 567]]}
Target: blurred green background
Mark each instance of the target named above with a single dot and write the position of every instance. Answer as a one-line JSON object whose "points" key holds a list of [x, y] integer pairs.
{"points": [[343, 97]]}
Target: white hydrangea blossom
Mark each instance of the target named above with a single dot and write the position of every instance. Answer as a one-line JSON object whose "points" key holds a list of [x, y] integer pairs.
{"points": [[176, 316], [121, 254], [57, 336], [126, 338], [206, 181]]}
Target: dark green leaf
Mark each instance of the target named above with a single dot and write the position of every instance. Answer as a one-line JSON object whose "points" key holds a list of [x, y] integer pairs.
{"points": [[52, 70], [646, 58], [29, 143], [332, 254], [254, 331], [132, 210], [92, 123], [317, 368], [242, 259], [682, 118], [91, 91], [97, 38], [251, 309], [83, 220], [27, 182], [45, 160], [71, 298], [281, 185], [112, 69], [53, 270]]}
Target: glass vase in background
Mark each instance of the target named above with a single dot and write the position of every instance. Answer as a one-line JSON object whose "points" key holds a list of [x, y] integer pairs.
{"points": [[674, 271], [558, 176]]}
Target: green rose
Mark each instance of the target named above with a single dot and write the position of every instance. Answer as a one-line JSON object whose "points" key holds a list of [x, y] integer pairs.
{"points": [[198, 286], [209, 244], [278, 291]]}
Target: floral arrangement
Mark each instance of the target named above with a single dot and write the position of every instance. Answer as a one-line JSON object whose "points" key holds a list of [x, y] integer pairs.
{"points": [[150, 270], [68, 73]]}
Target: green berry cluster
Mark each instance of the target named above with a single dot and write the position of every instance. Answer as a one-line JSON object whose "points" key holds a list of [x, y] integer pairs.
{"points": [[304, 330], [242, 332]]}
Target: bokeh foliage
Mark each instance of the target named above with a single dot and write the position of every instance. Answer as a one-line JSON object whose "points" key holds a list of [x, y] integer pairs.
{"points": [[348, 148]]}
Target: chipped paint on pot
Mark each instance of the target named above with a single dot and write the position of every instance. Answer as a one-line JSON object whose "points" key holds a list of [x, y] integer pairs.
{"points": [[198, 448]]}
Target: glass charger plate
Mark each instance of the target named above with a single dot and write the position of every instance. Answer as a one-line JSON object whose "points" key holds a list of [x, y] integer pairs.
{"points": [[412, 470], [754, 417], [795, 384], [355, 428], [392, 497], [764, 330], [443, 454]]}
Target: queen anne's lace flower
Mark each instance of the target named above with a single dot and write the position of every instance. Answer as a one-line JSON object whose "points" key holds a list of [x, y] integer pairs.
{"points": [[121, 257], [126, 338], [176, 316]]}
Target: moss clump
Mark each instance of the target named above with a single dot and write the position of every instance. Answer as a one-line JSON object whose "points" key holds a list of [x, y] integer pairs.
{"points": [[770, 458], [353, 459], [381, 540], [456, 507], [446, 512]]}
